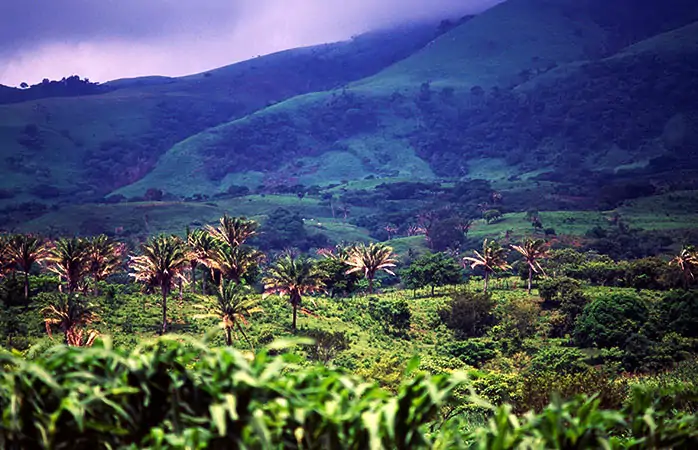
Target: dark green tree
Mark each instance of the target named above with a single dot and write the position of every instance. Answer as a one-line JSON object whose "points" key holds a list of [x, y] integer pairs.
{"points": [[432, 269]]}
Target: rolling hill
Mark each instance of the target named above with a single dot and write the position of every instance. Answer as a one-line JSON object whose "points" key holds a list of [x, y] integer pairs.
{"points": [[81, 147], [557, 104], [470, 98]]}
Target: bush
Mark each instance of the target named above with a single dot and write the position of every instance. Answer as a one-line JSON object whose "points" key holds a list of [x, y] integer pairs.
{"points": [[327, 345], [469, 314], [393, 314], [607, 321], [560, 360], [473, 352]]}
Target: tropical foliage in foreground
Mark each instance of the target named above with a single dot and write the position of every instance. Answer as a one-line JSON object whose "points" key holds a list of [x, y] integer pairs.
{"points": [[170, 394]]}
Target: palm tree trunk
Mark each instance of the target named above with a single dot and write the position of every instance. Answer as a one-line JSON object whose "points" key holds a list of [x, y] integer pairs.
{"points": [[229, 336], [370, 285], [432, 290], [181, 288], [26, 285], [164, 308], [295, 314], [203, 284], [245, 335], [530, 279], [193, 277], [487, 281]]}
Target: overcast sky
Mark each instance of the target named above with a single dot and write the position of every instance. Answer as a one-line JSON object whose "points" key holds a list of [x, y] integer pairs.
{"points": [[109, 39]]}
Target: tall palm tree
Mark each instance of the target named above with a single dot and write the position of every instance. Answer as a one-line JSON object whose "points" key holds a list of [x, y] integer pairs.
{"points": [[687, 261], [68, 258], [234, 304], [23, 251], [104, 257], [532, 250], [295, 277], [161, 263], [201, 246], [492, 258], [233, 231], [71, 315], [234, 263], [370, 259]]}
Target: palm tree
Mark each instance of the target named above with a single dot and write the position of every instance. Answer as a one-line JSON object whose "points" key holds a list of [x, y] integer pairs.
{"points": [[104, 257], [687, 261], [234, 304], [71, 315], [161, 263], [22, 252], [201, 247], [233, 231], [370, 259], [533, 250], [492, 258], [295, 277], [68, 258], [234, 263]]}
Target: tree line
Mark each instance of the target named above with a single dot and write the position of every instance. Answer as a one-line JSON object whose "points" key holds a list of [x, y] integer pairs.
{"points": [[229, 267]]}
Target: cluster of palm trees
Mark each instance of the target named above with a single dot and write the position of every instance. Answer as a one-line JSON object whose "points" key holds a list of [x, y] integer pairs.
{"points": [[493, 258], [78, 262], [167, 261]]}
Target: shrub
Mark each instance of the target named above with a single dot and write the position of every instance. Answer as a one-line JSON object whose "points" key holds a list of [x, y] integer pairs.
{"points": [[607, 321], [473, 352], [327, 344], [469, 314], [393, 314]]}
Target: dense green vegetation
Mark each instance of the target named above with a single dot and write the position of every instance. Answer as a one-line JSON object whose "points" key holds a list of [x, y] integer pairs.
{"points": [[491, 348]]}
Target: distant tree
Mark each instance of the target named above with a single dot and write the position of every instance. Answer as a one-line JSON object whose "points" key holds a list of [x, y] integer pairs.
{"points": [[532, 250], [295, 277], [369, 260], [607, 321], [69, 259], [160, 265], [104, 257], [233, 231], [492, 259], [492, 216], [234, 304], [432, 269], [687, 261], [469, 314], [200, 250], [22, 252], [235, 263], [70, 314], [23, 85], [334, 268]]}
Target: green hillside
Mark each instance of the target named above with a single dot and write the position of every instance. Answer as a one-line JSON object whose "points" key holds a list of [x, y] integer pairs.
{"points": [[81, 147], [530, 99]]}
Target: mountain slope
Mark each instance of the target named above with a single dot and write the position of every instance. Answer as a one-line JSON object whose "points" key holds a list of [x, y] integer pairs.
{"points": [[449, 109], [82, 147]]}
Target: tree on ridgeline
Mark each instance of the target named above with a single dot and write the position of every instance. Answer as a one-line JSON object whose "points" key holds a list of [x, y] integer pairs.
{"points": [[687, 261], [492, 259], [22, 252], [71, 314], [160, 265], [532, 250], [235, 303], [295, 277], [371, 259]]}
